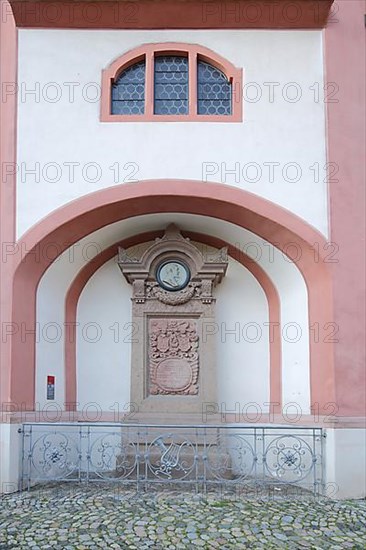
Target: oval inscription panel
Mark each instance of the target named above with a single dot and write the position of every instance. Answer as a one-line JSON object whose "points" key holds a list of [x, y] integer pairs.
{"points": [[174, 374]]}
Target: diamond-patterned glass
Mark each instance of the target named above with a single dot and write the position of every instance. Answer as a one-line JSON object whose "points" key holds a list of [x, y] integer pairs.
{"points": [[128, 92], [171, 85], [214, 91]]}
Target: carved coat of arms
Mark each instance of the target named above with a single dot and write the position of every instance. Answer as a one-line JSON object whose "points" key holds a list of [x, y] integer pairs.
{"points": [[173, 357]]}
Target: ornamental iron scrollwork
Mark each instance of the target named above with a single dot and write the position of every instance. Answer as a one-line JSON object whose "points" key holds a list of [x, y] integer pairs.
{"points": [[230, 458], [206, 456], [54, 456], [289, 458], [112, 456], [171, 457]]}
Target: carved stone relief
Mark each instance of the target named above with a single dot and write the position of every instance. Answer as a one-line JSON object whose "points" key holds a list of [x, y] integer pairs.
{"points": [[173, 356], [153, 290], [170, 361]]}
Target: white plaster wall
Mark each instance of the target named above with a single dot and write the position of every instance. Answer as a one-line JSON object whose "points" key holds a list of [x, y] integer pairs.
{"points": [[103, 352], [10, 457], [345, 463], [242, 343], [51, 332], [285, 276], [57, 126]]}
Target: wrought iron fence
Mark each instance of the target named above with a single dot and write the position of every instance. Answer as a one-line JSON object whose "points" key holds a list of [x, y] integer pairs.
{"points": [[203, 456]]}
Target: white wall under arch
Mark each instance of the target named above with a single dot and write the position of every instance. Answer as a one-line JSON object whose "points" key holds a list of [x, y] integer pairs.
{"points": [[284, 274], [103, 353], [103, 349], [243, 355]]}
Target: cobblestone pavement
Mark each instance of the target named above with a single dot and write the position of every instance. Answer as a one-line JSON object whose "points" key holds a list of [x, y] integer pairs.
{"points": [[93, 517]]}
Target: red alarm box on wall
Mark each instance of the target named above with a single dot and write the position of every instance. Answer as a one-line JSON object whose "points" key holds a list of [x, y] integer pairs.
{"points": [[50, 387]]}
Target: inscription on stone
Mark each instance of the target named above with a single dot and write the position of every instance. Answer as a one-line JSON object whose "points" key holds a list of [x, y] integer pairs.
{"points": [[173, 356], [174, 375]]}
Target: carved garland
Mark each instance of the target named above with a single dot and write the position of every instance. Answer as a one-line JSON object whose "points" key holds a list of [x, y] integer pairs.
{"points": [[153, 290]]}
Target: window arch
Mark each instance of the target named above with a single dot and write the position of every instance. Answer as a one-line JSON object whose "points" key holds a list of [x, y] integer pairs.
{"points": [[171, 82], [214, 90], [128, 91]]}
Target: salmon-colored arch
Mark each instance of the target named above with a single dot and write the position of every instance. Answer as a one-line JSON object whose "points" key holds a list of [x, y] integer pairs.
{"points": [[82, 278], [74, 221]]}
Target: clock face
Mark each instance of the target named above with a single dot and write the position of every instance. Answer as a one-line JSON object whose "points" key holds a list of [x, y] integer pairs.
{"points": [[173, 275]]}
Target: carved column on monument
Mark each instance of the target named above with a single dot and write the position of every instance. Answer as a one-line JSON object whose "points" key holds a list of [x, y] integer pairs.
{"points": [[173, 359]]}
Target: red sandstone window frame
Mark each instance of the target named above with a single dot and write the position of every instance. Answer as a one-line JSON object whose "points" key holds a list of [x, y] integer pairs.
{"points": [[193, 51]]}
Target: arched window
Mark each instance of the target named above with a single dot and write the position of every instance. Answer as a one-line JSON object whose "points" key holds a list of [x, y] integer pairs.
{"points": [[214, 91], [171, 85], [171, 82], [128, 91]]}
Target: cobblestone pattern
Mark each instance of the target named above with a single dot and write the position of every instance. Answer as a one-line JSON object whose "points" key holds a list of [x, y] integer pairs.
{"points": [[92, 517]]}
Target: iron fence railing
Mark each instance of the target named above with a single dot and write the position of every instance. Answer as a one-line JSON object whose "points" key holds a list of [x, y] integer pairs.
{"points": [[201, 455]]}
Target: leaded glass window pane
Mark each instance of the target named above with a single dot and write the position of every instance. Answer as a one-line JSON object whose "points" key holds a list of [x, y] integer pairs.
{"points": [[214, 91], [128, 92], [171, 85]]}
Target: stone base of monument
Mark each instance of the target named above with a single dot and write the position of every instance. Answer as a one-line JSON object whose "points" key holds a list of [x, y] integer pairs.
{"points": [[174, 459], [208, 416]]}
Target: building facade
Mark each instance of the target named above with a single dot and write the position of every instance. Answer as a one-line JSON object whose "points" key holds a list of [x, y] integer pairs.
{"points": [[240, 123]]}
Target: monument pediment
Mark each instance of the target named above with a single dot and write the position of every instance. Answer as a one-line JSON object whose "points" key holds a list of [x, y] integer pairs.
{"points": [[173, 246]]}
